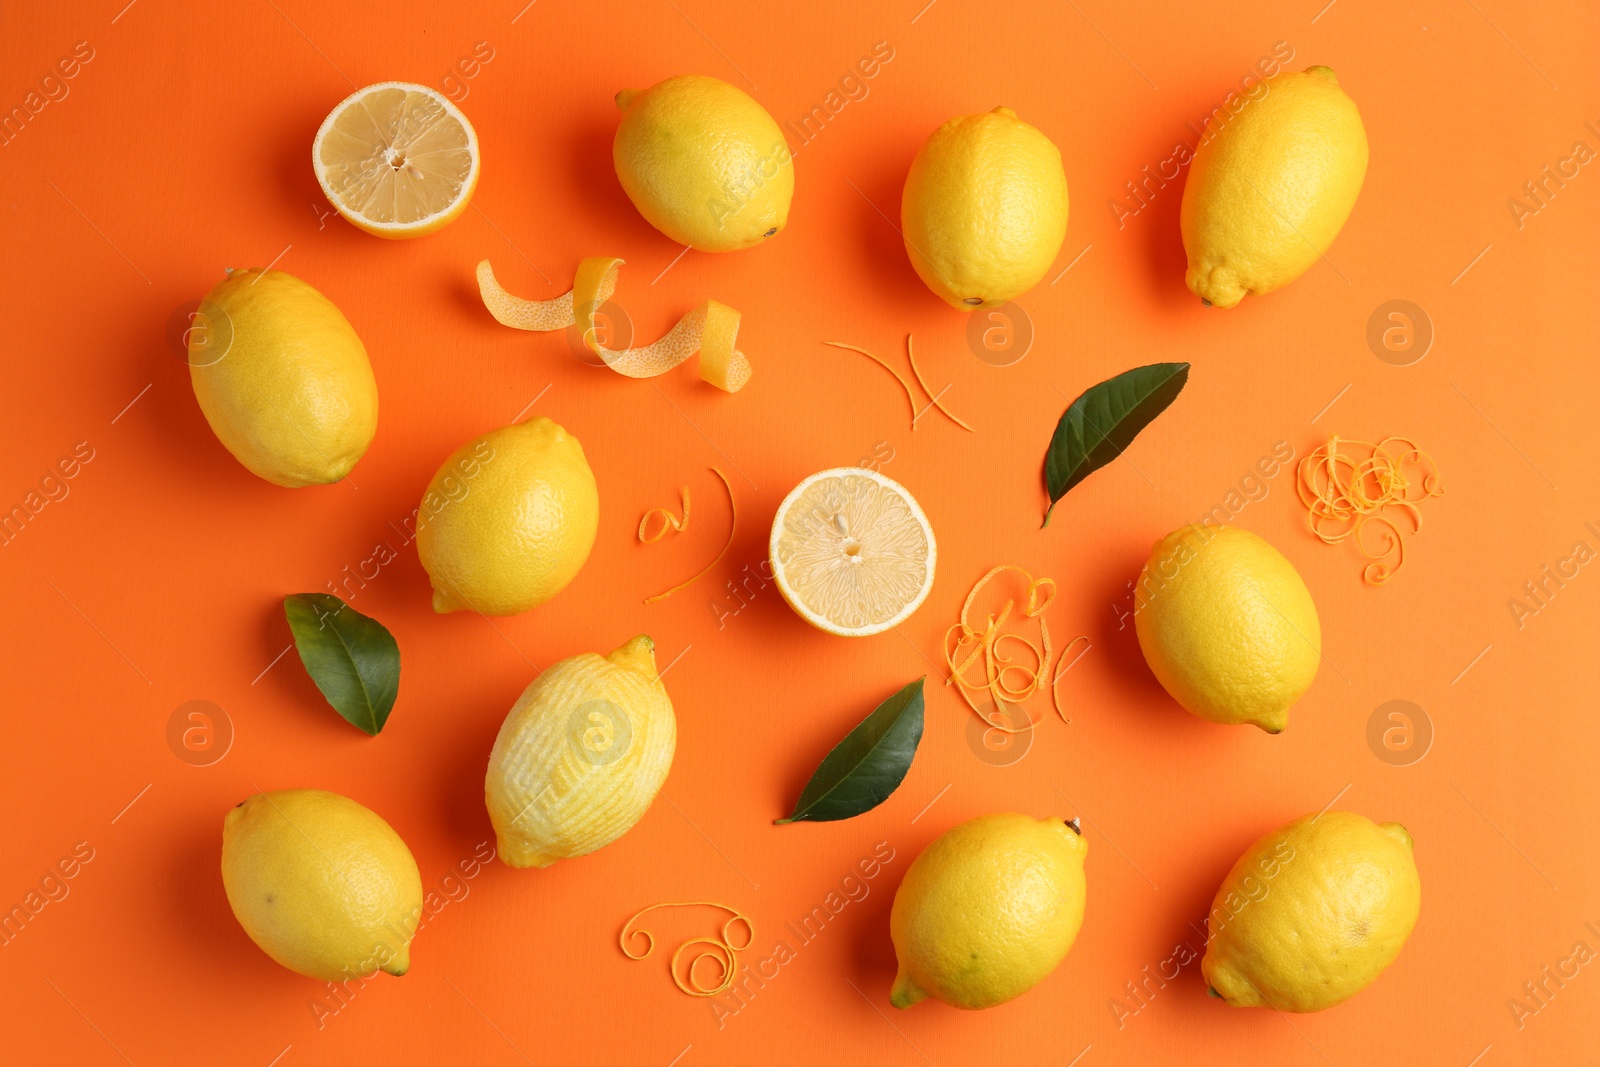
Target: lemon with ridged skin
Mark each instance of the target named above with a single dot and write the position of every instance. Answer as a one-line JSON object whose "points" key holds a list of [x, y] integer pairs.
{"points": [[1227, 625], [1269, 191], [984, 210], [323, 885], [508, 520], [703, 162], [581, 756], [1312, 913], [282, 378], [987, 911]]}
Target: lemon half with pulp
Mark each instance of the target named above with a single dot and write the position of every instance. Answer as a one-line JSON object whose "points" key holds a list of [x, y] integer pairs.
{"points": [[852, 552], [397, 160]]}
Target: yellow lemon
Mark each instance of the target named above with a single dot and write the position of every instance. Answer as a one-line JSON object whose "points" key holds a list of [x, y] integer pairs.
{"points": [[852, 552], [1227, 625], [323, 885], [1269, 191], [397, 160], [987, 911], [703, 162], [581, 756], [1312, 913], [282, 378], [508, 520], [984, 209]]}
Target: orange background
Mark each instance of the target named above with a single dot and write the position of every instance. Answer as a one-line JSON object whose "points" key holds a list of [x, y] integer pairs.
{"points": [[182, 148]]}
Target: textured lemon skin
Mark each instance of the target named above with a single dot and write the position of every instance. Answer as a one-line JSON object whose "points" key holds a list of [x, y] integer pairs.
{"points": [[1227, 625], [1338, 909], [557, 787], [285, 382], [704, 163], [984, 209], [508, 520], [323, 885], [987, 911], [1267, 195]]}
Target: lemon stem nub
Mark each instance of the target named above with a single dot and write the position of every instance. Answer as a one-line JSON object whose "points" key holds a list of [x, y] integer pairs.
{"points": [[1073, 825]]}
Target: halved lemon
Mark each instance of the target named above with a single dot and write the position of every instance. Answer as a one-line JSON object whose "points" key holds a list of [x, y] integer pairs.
{"points": [[396, 159], [852, 552]]}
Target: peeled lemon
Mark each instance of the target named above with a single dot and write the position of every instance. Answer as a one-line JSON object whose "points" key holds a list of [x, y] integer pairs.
{"points": [[852, 552], [987, 911], [703, 162], [508, 520], [282, 378], [984, 210], [581, 756], [323, 885], [397, 159]]}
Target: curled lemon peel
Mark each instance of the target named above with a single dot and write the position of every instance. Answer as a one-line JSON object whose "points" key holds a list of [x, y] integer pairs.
{"points": [[711, 329], [988, 645], [719, 950], [733, 524], [1055, 689], [910, 397], [912, 358], [669, 521], [1346, 495]]}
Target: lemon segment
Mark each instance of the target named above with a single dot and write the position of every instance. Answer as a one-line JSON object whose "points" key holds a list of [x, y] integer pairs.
{"points": [[1312, 913], [322, 884], [397, 160], [852, 552]]}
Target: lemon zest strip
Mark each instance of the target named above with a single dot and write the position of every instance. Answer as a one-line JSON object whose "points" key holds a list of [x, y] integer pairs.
{"points": [[711, 329], [910, 397], [911, 356], [669, 521], [972, 644], [733, 525], [720, 950], [1345, 493]]}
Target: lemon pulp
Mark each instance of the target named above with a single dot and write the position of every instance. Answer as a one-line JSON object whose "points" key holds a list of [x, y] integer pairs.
{"points": [[397, 159], [852, 552]]}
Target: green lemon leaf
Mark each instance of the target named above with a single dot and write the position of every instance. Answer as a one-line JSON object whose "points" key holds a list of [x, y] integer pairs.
{"points": [[1100, 424], [353, 659], [868, 765]]}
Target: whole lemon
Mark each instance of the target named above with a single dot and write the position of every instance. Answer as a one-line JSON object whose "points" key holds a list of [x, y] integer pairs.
{"points": [[508, 520], [988, 910], [322, 884], [1227, 625], [703, 162], [282, 378], [1269, 191], [1312, 913], [984, 209], [581, 756]]}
